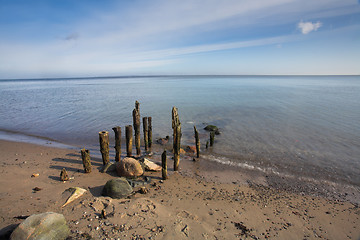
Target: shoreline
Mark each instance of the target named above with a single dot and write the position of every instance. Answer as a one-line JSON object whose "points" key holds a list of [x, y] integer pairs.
{"points": [[195, 203], [209, 164]]}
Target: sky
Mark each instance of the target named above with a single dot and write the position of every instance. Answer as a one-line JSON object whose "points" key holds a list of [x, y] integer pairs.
{"points": [[67, 38]]}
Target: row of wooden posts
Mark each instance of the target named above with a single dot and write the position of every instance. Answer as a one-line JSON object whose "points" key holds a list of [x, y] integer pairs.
{"points": [[147, 130]]}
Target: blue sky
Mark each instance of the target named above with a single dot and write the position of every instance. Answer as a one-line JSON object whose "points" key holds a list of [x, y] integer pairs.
{"points": [[70, 38]]}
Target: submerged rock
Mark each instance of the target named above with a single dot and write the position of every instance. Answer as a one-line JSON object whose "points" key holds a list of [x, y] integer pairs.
{"points": [[42, 226], [129, 167], [212, 128], [163, 141], [117, 188]]}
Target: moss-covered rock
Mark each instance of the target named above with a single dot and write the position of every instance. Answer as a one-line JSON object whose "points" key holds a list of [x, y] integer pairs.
{"points": [[117, 188], [212, 128], [42, 226]]}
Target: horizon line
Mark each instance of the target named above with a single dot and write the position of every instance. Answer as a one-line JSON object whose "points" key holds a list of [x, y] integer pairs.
{"points": [[176, 75]]}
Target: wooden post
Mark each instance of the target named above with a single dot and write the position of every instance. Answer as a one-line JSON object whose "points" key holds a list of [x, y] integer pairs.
{"points": [[146, 131], [176, 125], [129, 140], [117, 147], [64, 175], [150, 133], [164, 165], [85, 155], [207, 144], [197, 142], [136, 123], [104, 146], [212, 138]]}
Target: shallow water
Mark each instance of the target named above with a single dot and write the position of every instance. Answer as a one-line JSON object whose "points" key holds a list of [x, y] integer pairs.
{"points": [[304, 126]]}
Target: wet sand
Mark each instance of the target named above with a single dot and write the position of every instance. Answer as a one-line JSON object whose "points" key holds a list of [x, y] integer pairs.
{"points": [[198, 202]]}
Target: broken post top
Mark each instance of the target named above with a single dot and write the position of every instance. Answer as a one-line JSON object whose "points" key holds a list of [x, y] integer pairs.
{"points": [[137, 105], [175, 117], [104, 133]]}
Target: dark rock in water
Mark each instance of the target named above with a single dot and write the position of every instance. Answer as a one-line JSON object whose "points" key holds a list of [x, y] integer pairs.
{"points": [[129, 167], [212, 128], [117, 188], [163, 141], [42, 226]]}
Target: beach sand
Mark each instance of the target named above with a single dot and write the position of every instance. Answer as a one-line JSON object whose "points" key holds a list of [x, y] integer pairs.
{"points": [[194, 203]]}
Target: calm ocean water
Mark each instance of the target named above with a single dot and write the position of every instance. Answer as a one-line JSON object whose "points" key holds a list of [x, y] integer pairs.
{"points": [[305, 126]]}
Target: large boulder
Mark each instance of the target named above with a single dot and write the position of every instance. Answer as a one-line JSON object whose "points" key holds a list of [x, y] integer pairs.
{"points": [[117, 188], [42, 226], [129, 167]]}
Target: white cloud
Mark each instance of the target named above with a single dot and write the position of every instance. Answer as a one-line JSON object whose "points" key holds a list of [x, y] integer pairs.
{"points": [[307, 27]]}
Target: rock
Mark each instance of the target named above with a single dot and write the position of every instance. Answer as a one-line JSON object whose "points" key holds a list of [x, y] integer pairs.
{"points": [[41, 227], [64, 175], [109, 167], [129, 167], [182, 151], [143, 190], [35, 175], [191, 149], [212, 128], [36, 189], [163, 141], [117, 188], [151, 166], [76, 192]]}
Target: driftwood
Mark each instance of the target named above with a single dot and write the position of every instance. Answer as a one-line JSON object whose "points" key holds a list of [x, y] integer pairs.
{"points": [[117, 147], [129, 140], [85, 155], [197, 142], [104, 146]]}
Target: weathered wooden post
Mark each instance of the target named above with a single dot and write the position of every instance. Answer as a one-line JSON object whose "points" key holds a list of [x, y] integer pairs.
{"points": [[104, 146], [164, 165], [117, 147], [129, 140], [136, 123], [85, 155], [176, 125], [207, 144], [146, 131], [150, 133], [212, 138], [64, 175], [197, 142]]}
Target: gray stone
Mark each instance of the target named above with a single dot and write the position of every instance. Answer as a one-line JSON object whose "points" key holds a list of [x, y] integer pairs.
{"points": [[109, 167], [42, 226], [117, 188], [129, 168]]}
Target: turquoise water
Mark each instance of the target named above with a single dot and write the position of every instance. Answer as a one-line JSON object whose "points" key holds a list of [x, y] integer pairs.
{"points": [[306, 126]]}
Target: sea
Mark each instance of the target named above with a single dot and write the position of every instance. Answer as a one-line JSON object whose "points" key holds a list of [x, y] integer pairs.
{"points": [[301, 126]]}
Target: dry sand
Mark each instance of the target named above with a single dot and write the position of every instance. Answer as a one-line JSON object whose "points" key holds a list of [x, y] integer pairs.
{"points": [[191, 204]]}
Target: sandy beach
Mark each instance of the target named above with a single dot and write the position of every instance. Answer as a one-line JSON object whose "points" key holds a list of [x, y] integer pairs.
{"points": [[194, 203]]}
